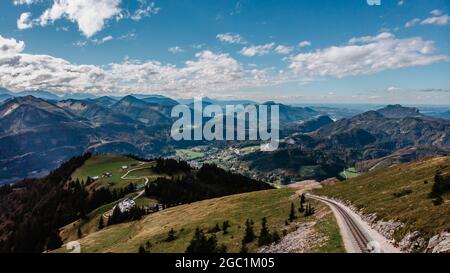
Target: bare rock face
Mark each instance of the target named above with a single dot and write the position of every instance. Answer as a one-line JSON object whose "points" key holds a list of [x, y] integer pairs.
{"points": [[439, 243], [412, 243], [387, 228], [299, 241]]}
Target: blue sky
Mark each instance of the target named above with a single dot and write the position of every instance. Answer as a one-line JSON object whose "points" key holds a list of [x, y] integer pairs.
{"points": [[284, 50]]}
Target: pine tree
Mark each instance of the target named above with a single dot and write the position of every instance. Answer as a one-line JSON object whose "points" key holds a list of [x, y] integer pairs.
{"points": [[171, 235], [302, 199], [54, 241], [101, 225], [244, 248], [142, 250], [215, 229], [79, 233], [225, 226], [441, 184], [275, 237], [201, 244], [302, 203], [309, 210], [292, 215], [264, 236], [249, 233]]}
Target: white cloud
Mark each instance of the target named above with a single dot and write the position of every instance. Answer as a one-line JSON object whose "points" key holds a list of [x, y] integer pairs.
{"points": [[207, 72], [366, 55], [258, 50], [145, 10], [90, 15], [25, 2], [304, 44], [401, 3], [24, 21], [80, 43], [412, 22], [10, 46], [128, 36], [437, 20], [392, 89], [175, 50], [230, 38], [436, 12], [103, 40], [370, 39], [283, 50]]}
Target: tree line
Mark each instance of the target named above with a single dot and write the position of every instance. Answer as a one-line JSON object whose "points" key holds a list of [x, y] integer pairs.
{"points": [[208, 182]]}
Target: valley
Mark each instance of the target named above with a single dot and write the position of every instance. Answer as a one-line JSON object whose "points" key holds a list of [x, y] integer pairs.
{"points": [[137, 190]]}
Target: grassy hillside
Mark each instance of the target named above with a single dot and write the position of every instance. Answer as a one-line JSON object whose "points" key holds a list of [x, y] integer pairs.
{"points": [[189, 154], [349, 173], [152, 230], [375, 191], [98, 165]]}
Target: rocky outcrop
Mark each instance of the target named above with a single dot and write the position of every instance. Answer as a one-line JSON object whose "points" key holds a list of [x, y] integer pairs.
{"points": [[413, 242], [299, 241], [387, 228], [439, 243]]}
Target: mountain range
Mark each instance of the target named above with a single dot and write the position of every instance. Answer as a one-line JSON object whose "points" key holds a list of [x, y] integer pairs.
{"points": [[373, 139], [37, 134]]}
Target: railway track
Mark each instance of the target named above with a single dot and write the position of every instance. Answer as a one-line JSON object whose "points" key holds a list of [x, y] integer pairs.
{"points": [[361, 239]]}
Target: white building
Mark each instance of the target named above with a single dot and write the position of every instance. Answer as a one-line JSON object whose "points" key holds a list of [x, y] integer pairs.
{"points": [[126, 205]]}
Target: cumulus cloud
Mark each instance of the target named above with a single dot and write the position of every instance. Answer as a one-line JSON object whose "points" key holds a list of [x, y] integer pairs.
{"points": [[366, 55], [283, 50], [304, 44], [10, 46], [437, 20], [257, 50], [230, 38], [24, 21], [207, 72], [90, 15], [175, 49]]}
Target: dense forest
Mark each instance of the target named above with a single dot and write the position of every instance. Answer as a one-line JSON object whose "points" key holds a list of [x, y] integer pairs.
{"points": [[208, 182], [32, 210]]}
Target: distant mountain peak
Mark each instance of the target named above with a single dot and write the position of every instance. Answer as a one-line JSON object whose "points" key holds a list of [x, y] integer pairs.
{"points": [[399, 111], [130, 100]]}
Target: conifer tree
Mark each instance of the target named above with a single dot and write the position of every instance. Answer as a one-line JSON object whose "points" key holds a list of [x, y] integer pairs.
{"points": [[225, 226], [249, 233], [264, 236], [171, 235], [292, 215], [101, 225]]}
